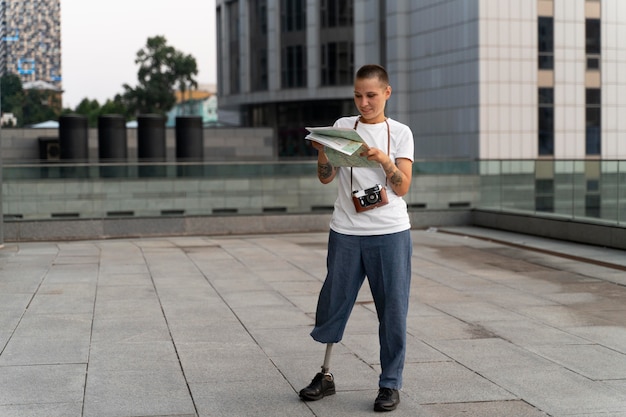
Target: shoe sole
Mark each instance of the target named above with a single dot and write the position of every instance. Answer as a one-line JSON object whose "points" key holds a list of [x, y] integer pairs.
{"points": [[317, 397], [381, 408]]}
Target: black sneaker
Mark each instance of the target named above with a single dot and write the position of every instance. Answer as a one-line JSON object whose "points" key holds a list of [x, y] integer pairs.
{"points": [[387, 399], [321, 386]]}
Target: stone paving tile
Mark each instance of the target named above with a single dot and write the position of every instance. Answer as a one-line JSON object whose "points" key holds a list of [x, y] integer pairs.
{"points": [[43, 410], [45, 350], [450, 382], [613, 337], [442, 327], [64, 326], [64, 299], [226, 363], [592, 361], [159, 391], [485, 408], [132, 356], [272, 397], [41, 384], [13, 304], [530, 334]]}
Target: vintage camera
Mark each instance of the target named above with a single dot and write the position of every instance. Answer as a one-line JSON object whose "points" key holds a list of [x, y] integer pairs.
{"points": [[369, 198]]}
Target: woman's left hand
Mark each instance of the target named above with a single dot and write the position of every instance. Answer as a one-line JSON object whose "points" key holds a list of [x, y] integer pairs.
{"points": [[398, 174], [375, 154]]}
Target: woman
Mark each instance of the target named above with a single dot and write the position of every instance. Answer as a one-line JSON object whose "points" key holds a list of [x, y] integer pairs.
{"points": [[368, 241]]}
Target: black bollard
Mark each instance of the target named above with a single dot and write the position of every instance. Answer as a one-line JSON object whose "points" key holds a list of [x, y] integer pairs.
{"points": [[151, 144], [189, 145], [112, 145], [73, 145], [73, 138]]}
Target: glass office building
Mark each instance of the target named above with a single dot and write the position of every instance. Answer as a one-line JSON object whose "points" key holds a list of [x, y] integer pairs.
{"points": [[474, 79]]}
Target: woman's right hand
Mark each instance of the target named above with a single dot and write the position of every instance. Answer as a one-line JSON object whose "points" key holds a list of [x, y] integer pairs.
{"points": [[318, 146]]}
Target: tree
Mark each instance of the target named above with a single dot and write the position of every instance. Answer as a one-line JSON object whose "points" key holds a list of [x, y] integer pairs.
{"points": [[186, 68], [39, 106], [12, 95], [93, 110], [90, 109], [28, 106], [11, 90], [161, 69], [115, 106]]}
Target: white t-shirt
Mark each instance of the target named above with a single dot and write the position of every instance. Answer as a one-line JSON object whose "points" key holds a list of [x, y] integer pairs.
{"points": [[391, 218]]}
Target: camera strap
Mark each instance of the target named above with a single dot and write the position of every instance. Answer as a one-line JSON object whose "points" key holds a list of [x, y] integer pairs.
{"points": [[356, 123]]}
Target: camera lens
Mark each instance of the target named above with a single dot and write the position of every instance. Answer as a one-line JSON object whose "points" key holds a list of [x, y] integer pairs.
{"points": [[372, 198]]}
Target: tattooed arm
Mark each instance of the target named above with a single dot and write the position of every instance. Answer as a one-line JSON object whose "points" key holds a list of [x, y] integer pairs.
{"points": [[399, 175], [325, 170]]}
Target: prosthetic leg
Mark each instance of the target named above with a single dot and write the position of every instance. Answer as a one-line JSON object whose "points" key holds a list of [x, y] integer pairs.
{"points": [[323, 384], [326, 365]]}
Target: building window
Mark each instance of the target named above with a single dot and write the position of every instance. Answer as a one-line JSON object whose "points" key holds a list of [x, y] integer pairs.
{"points": [[546, 42], [337, 62], [260, 16], [294, 66], [336, 13], [233, 37], [293, 15], [546, 121], [293, 43], [593, 45], [593, 133], [259, 74], [593, 62], [337, 42]]}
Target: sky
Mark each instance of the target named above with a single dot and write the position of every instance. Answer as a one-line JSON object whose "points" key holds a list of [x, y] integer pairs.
{"points": [[100, 40]]}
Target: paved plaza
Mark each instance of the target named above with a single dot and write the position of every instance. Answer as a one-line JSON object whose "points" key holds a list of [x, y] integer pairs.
{"points": [[499, 325]]}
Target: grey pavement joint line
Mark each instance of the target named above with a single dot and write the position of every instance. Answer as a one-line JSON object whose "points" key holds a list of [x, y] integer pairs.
{"points": [[169, 330], [43, 277], [93, 314]]}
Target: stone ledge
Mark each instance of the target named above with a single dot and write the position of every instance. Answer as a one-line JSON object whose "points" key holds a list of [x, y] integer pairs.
{"points": [[571, 230], [216, 225]]}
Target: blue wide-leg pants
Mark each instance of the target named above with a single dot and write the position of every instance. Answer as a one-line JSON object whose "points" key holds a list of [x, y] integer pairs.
{"points": [[386, 261]]}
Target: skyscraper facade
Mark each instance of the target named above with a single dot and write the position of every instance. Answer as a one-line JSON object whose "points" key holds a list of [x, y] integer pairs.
{"points": [[30, 40], [477, 79]]}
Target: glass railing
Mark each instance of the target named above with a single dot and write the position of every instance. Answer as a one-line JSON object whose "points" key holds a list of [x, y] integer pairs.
{"points": [[584, 190], [62, 190], [573, 189]]}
